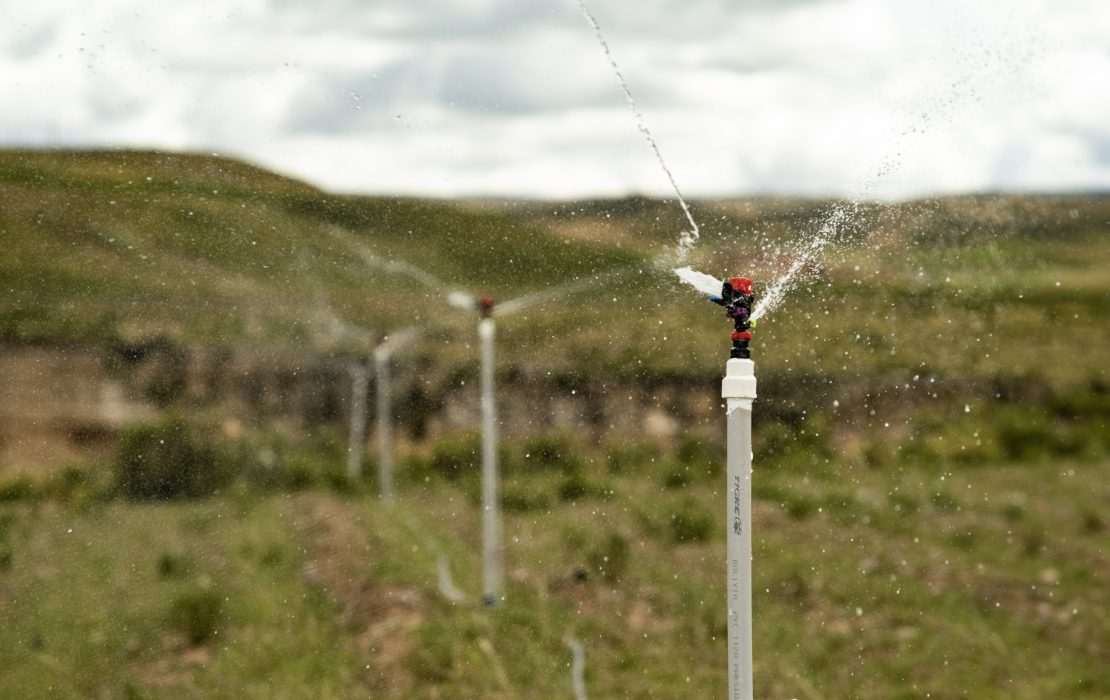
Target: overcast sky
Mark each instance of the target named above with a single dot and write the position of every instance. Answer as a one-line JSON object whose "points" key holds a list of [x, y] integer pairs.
{"points": [[515, 97]]}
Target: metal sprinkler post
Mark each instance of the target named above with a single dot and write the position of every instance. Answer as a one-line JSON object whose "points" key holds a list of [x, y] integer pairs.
{"points": [[356, 440], [738, 389], [382, 356], [491, 516]]}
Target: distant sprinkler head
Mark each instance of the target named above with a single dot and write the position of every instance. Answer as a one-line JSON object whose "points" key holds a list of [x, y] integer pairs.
{"points": [[485, 306], [737, 297]]}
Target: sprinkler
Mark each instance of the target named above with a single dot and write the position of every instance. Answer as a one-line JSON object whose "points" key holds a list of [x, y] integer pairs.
{"points": [[738, 389], [485, 307], [737, 298]]}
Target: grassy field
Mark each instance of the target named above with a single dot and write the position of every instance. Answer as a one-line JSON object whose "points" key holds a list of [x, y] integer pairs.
{"points": [[909, 582], [932, 458]]}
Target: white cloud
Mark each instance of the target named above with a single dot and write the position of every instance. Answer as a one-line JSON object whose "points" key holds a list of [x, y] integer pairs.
{"points": [[501, 97]]}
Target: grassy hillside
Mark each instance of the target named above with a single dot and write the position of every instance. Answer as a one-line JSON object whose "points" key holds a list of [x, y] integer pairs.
{"points": [[206, 250]]}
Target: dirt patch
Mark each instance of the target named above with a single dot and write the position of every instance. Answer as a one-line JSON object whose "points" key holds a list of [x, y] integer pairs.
{"points": [[381, 619]]}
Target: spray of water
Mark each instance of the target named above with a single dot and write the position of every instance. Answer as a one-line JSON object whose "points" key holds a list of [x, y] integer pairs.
{"points": [[399, 267], [706, 284], [558, 292], [989, 67], [807, 257], [398, 339], [686, 239]]}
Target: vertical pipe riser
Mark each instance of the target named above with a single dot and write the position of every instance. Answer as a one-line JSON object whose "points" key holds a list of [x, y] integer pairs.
{"points": [[491, 525], [385, 424], [360, 381], [739, 391], [739, 545]]}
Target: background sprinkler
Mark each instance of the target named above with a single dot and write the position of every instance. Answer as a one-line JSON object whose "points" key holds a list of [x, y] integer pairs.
{"points": [[492, 552], [491, 516], [738, 389]]}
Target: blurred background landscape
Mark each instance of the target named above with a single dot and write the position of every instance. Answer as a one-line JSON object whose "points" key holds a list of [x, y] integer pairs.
{"points": [[211, 217], [931, 460]]}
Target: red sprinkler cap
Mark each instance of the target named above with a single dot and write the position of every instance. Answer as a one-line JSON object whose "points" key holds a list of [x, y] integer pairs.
{"points": [[741, 335], [742, 284]]}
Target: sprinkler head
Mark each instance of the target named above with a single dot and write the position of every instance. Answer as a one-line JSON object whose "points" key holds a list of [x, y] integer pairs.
{"points": [[737, 297], [485, 307]]}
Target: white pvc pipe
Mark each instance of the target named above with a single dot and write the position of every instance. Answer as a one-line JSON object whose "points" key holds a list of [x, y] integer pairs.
{"points": [[356, 438], [577, 667], [385, 423], [738, 388], [491, 517]]}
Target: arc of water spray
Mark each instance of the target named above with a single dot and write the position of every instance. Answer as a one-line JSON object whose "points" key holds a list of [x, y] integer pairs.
{"points": [[687, 239], [558, 292], [444, 580], [399, 267]]}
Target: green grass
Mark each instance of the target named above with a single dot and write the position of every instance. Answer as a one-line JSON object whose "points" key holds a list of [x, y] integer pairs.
{"points": [[904, 582], [90, 611]]}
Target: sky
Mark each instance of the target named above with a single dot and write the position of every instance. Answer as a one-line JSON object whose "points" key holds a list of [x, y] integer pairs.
{"points": [[515, 98]]}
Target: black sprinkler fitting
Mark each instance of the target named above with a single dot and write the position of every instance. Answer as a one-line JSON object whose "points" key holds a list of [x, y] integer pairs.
{"points": [[485, 307], [737, 297]]}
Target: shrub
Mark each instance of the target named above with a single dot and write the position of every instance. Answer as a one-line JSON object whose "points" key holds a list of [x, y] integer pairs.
{"points": [[521, 499], [196, 614], [1023, 436], [611, 559], [701, 456], [168, 460], [17, 489], [691, 524], [551, 452], [631, 457], [172, 565], [677, 476], [577, 486], [785, 446], [453, 457]]}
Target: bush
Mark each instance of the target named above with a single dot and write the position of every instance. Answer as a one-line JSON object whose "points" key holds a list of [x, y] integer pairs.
{"points": [[691, 524], [677, 476], [196, 614], [611, 559], [701, 456], [785, 446], [6, 548], [520, 499], [172, 565], [1025, 436], [454, 457], [576, 487], [632, 457], [551, 452], [17, 489], [168, 460]]}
